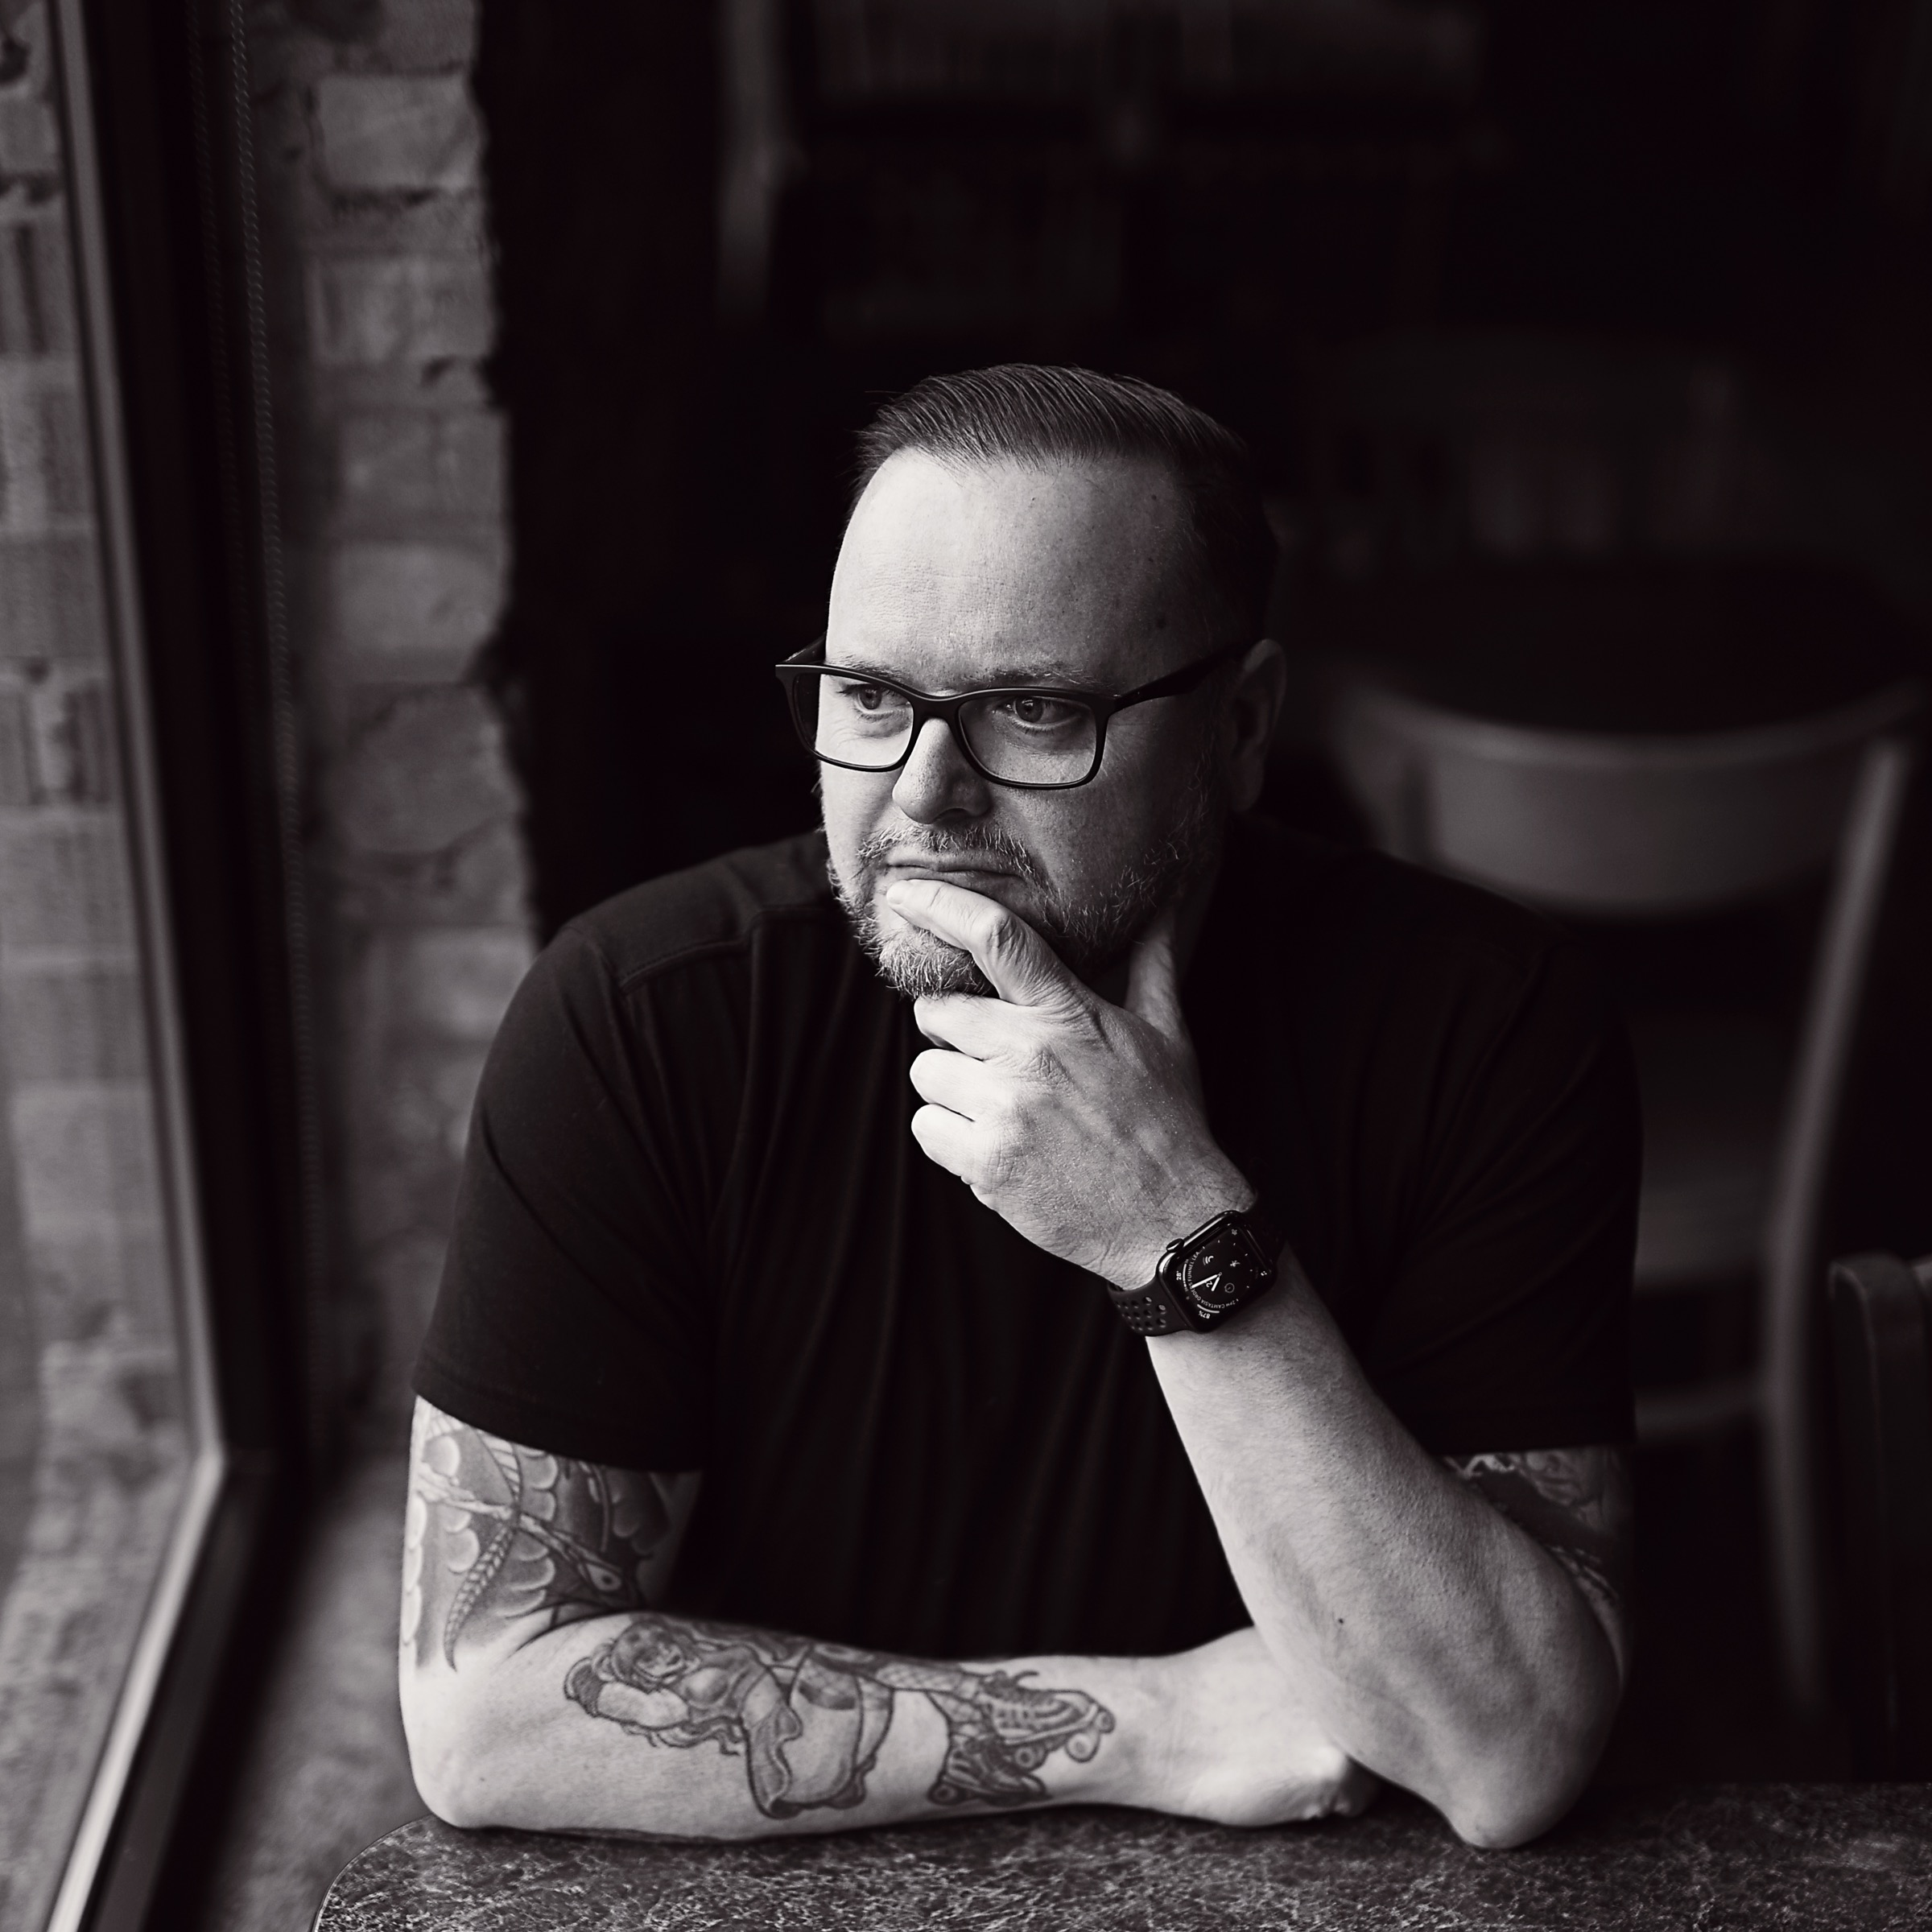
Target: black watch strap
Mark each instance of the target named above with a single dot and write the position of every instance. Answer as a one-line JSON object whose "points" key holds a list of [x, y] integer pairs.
{"points": [[1149, 1311]]}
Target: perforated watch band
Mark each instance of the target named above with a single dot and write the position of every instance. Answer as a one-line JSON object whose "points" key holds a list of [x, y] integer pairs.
{"points": [[1149, 1311]]}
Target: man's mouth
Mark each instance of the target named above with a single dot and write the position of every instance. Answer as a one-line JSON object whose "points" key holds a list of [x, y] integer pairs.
{"points": [[989, 862], [947, 869]]}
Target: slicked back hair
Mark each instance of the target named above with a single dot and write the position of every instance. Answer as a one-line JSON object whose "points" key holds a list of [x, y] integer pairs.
{"points": [[1036, 413]]}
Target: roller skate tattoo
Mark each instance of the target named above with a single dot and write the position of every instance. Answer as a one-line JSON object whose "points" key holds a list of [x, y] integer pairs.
{"points": [[809, 1718]]}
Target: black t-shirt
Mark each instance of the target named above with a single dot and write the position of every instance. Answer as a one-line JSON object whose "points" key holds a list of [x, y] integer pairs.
{"points": [[694, 1232]]}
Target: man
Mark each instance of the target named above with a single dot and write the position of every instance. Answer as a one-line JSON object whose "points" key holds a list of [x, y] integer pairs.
{"points": [[1087, 1227]]}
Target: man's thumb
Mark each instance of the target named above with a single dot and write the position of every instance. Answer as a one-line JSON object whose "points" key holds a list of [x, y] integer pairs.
{"points": [[1154, 990]]}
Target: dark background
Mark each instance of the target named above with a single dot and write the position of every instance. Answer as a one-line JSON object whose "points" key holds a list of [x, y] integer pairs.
{"points": [[1683, 175]]}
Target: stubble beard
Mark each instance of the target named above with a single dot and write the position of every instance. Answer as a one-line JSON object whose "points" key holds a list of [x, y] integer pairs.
{"points": [[1089, 936]]}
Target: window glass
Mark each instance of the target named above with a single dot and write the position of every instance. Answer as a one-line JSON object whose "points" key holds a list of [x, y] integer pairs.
{"points": [[103, 1432]]}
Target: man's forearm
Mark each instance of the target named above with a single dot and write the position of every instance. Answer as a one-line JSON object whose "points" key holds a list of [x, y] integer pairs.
{"points": [[1438, 1643], [647, 1722], [541, 1688]]}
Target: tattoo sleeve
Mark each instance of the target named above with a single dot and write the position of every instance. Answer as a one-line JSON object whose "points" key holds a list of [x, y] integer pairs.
{"points": [[1577, 1503], [499, 1537], [808, 1718], [503, 1543]]}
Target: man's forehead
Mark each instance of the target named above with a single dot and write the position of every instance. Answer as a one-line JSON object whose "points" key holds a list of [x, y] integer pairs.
{"points": [[1006, 573]]}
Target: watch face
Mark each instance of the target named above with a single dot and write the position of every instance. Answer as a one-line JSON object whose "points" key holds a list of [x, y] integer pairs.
{"points": [[1220, 1274]]}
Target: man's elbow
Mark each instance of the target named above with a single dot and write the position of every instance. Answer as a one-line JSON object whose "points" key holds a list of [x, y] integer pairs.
{"points": [[449, 1758], [1529, 1786], [1503, 1821]]}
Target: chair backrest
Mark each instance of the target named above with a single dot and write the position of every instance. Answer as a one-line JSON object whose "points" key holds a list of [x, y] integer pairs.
{"points": [[1881, 1323], [1602, 825], [1630, 827]]}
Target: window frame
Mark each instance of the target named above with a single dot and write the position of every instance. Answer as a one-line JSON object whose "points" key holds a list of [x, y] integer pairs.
{"points": [[171, 340]]}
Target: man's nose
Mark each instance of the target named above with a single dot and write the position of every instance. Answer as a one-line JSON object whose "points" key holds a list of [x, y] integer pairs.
{"points": [[936, 779]]}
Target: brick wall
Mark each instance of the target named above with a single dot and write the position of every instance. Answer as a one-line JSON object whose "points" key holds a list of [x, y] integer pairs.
{"points": [[391, 462]]}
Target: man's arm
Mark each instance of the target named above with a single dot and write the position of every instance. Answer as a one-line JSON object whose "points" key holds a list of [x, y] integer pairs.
{"points": [[1580, 1504], [1437, 1642], [1459, 1630], [540, 1689]]}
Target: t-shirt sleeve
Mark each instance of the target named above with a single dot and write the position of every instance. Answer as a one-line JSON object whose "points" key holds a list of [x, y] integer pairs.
{"points": [[1506, 1323], [572, 1315]]}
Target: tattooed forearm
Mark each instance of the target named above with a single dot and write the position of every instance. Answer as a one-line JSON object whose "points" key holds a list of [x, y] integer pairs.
{"points": [[809, 1718], [1577, 1503], [504, 1543], [497, 1534]]}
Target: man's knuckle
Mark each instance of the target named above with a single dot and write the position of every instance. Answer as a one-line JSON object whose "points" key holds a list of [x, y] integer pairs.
{"points": [[1006, 940], [1045, 1068]]}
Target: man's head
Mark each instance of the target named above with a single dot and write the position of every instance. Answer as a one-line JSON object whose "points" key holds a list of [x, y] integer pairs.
{"points": [[1033, 526]]}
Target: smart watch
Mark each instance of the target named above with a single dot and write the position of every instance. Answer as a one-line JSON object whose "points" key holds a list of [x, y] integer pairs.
{"points": [[1204, 1277]]}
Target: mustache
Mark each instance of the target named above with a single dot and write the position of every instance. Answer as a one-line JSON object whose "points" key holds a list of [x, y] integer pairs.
{"points": [[931, 841]]}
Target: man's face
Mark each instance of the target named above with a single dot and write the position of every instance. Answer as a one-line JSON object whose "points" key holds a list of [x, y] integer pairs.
{"points": [[955, 578]]}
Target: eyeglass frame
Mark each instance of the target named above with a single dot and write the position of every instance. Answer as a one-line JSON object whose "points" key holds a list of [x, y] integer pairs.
{"points": [[927, 707]]}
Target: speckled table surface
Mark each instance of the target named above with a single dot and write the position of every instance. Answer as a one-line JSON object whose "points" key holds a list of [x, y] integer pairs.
{"points": [[1720, 1859]]}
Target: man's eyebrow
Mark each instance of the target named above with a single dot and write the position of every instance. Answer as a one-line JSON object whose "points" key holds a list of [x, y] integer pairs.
{"points": [[1054, 671]]}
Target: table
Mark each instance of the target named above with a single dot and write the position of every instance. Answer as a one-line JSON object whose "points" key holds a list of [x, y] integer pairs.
{"points": [[1720, 1859]]}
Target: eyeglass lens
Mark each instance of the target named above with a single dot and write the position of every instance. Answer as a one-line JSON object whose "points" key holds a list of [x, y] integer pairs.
{"points": [[1016, 735]]}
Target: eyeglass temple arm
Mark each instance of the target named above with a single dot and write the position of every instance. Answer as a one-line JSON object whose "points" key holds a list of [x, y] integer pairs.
{"points": [[1180, 680]]}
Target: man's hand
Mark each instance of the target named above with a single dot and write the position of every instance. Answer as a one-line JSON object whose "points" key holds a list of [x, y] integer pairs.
{"points": [[1080, 1122], [1243, 1748]]}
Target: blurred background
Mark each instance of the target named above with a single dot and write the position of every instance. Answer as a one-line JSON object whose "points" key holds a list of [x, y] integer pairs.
{"points": [[401, 400]]}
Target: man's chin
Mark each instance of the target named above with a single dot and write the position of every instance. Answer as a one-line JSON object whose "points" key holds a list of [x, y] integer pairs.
{"points": [[919, 965]]}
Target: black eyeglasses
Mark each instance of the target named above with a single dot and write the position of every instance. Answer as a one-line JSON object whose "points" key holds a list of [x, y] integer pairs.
{"points": [[1038, 738]]}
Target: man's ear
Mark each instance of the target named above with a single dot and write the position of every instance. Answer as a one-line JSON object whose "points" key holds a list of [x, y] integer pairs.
{"points": [[1253, 714]]}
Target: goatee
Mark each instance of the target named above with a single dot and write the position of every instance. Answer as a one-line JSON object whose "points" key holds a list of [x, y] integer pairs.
{"points": [[1089, 935]]}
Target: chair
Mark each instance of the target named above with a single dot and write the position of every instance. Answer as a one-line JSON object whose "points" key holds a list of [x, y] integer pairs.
{"points": [[1739, 1130], [1882, 1326]]}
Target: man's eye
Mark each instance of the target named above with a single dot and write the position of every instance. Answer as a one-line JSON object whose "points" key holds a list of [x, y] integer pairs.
{"points": [[864, 697], [1038, 714]]}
